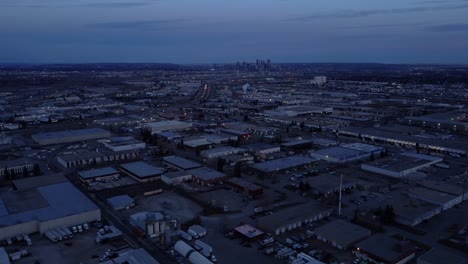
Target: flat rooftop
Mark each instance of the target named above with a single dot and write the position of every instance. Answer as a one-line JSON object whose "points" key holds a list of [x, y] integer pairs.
{"points": [[43, 204], [342, 232], [283, 164], [70, 133], [249, 231], [180, 162], [94, 173], [403, 162], [206, 174], [383, 246], [142, 169]]}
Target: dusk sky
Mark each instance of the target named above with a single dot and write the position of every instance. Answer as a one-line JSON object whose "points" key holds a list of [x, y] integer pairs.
{"points": [[206, 31]]}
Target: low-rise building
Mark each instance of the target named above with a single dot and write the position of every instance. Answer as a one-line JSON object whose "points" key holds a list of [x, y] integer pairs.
{"points": [[441, 256], [281, 165], [386, 250], [176, 177], [70, 136], [294, 217], [400, 166], [121, 202], [141, 171], [168, 125], [204, 175], [122, 143], [98, 174], [444, 200], [250, 189], [221, 151], [341, 234], [180, 163]]}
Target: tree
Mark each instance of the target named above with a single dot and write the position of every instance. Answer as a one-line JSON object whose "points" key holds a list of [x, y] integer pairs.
{"points": [[25, 172], [388, 215], [37, 170], [237, 172], [7, 173], [220, 165]]}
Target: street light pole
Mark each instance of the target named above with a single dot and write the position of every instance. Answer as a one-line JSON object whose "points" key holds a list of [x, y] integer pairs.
{"points": [[339, 202]]}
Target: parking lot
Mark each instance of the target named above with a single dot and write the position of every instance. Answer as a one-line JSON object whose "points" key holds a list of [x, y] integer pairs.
{"points": [[79, 249]]}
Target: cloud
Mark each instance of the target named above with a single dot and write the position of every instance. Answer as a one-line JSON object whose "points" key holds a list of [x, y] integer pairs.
{"points": [[449, 28], [116, 4], [136, 24], [373, 12]]}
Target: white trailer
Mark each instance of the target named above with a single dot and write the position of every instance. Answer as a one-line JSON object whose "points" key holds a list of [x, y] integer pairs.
{"points": [[56, 234], [61, 232], [67, 231], [185, 235], [51, 236], [203, 246]]}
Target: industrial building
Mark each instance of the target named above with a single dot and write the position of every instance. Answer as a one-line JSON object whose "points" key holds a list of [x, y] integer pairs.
{"points": [[449, 187], [122, 143], [326, 184], [15, 166], [347, 152], [176, 177], [142, 171], [221, 151], [381, 248], [402, 165], [180, 163], [98, 174], [204, 175], [441, 256], [249, 232], [444, 200], [153, 224], [168, 125], [341, 234], [250, 189], [263, 149], [121, 202], [283, 164], [41, 208], [83, 158], [410, 211], [70, 136], [293, 217]]}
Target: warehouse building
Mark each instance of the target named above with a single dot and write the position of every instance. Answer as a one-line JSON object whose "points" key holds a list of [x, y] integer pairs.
{"points": [[98, 174], [189, 253], [449, 187], [122, 143], [180, 163], [384, 249], [142, 171], [327, 184], [83, 158], [168, 125], [44, 207], [293, 217], [250, 189], [283, 164], [249, 233], [176, 177], [16, 166], [347, 152], [444, 200], [204, 175], [401, 166], [341, 234], [121, 202], [70, 136], [221, 151], [263, 149], [410, 211], [134, 256], [441, 256]]}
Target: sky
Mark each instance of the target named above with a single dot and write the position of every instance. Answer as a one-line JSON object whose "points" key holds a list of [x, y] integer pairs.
{"points": [[225, 31]]}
